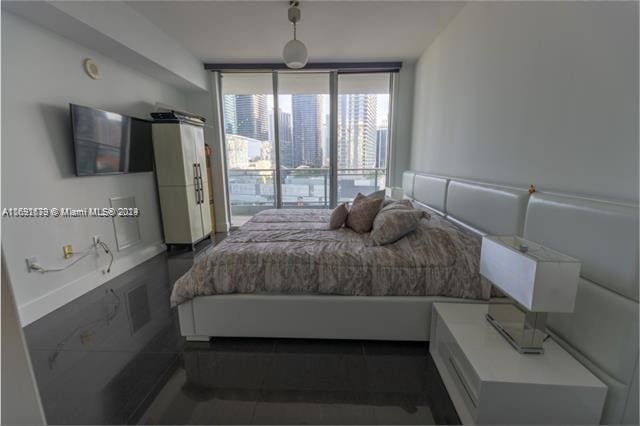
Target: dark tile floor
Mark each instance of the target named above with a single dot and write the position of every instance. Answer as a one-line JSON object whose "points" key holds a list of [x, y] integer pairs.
{"points": [[115, 356], [292, 381]]}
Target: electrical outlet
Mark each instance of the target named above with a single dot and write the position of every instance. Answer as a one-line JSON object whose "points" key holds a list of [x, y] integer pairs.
{"points": [[85, 337], [97, 239], [31, 262], [67, 251]]}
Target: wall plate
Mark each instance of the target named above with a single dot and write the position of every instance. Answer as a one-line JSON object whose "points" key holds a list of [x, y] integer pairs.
{"points": [[126, 229], [91, 68], [67, 251]]}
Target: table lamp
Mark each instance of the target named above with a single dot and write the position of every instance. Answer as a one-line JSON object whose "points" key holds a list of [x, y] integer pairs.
{"points": [[394, 193], [537, 279]]}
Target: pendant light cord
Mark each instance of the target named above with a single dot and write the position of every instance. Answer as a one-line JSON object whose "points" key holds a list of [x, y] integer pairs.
{"points": [[294, 31]]}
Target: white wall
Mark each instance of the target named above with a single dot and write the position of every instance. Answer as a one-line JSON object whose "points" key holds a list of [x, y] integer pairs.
{"points": [[119, 31], [20, 398], [533, 93], [41, 74]]}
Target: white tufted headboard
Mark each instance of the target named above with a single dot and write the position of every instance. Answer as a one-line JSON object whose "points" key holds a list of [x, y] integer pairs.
{"points": [[482, 207], [492, 209], [431, 191], [602, 332], [407, 183]]}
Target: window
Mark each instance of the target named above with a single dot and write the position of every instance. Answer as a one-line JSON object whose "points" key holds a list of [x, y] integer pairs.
{"points": [[303, 103], [247, 101], [285, 158], [363, 137]]}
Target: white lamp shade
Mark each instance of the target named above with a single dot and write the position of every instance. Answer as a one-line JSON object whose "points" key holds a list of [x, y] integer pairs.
{"points": [[394, 193], [295, 54], [540, 279]]}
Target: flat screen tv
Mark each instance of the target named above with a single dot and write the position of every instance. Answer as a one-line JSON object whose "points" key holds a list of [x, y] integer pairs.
{"points": [[109, 143]]}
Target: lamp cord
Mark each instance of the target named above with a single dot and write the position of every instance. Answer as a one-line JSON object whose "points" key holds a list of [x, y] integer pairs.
{"points": [[42, 270], [107, 250], [105, 247]]}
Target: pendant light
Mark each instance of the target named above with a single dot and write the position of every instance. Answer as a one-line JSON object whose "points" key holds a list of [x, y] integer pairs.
{"points": [[294, 52]]}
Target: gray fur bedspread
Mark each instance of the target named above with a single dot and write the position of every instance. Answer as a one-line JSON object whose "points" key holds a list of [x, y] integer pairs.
{"points": [[293, 252]]}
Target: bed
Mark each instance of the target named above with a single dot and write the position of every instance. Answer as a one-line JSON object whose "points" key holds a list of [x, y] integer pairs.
{"points": [[294, 252], [388, 304], [602, 333]]}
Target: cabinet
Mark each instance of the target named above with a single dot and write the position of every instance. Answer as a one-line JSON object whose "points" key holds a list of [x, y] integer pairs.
{"points": [[182, 181], [489, 382]]}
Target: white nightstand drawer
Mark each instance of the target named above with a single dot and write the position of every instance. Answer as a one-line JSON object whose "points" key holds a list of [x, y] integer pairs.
{"points": [[491, 383], [455, 361]]}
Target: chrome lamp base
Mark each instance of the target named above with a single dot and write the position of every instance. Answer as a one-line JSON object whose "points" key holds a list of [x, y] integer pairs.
{"points": [[524, 330]]}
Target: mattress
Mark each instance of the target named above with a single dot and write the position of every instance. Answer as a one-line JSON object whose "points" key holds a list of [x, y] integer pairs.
{"points": [[292, 251]]}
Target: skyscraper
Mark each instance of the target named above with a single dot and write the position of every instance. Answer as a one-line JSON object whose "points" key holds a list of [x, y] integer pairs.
{"points": [[286, 140], [229, 112], [381, 147], [307, 130], [326, 141], [357, 133], [251, 116]]}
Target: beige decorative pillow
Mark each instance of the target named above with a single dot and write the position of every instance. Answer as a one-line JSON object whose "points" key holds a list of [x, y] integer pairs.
{"points": [[406, 205], [398, 203], [338, 216], [381, 194], [377, 194], [394, 222], [363, 212]]}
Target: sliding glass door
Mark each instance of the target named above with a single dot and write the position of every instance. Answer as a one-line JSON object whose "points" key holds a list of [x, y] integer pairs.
{"points": [[363, 136], [247, 104], [289, 135], [303, 121]]}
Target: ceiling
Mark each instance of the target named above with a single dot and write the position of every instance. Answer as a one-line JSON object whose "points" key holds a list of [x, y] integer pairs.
{"points": [[256, 31]]}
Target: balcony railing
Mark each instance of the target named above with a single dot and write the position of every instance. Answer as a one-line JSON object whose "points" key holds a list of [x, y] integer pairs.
{"points": [[352, 181], [252, 190]]}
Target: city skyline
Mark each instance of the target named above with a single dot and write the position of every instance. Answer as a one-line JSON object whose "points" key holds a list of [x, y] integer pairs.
{"points": [[251, 116], [357, 137], [303, 123], [307, 117]]}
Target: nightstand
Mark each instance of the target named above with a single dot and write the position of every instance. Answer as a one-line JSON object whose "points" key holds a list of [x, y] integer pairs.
{"points": [[491, 383]]}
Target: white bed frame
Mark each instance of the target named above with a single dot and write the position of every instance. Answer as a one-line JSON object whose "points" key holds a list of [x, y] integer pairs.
{"points": [[309, 316], [602, 332], [351, 317]]}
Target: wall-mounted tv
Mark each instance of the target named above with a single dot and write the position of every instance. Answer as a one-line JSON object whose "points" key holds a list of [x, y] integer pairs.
{"points": [[110, 143]]}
